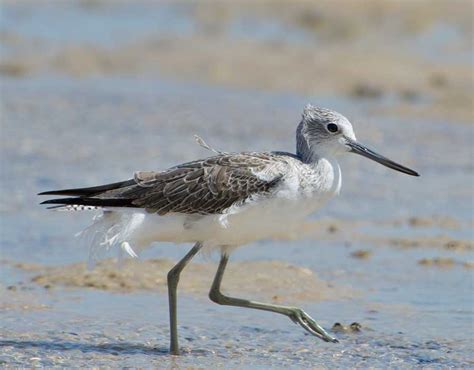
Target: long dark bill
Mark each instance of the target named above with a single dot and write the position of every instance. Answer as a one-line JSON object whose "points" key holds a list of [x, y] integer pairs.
{"points": [[366, 152]]}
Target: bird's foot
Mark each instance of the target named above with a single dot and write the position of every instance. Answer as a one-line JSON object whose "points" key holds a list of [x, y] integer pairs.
{"points": [[301, 318]]}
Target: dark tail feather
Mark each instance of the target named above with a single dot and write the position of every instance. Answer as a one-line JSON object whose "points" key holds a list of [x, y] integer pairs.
{"points": [[96, 202], [90, 191]]}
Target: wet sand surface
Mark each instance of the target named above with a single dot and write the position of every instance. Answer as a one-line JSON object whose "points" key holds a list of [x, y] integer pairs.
{"points": [[392, 253], [262, 280], [402, 303]]}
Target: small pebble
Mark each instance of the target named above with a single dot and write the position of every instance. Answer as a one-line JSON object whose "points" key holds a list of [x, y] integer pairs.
{"points": [[355, 327], [332, 229], [361, 254]]}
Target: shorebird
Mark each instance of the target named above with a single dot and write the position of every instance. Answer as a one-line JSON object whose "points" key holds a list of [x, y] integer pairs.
{"points": [[223, 202]]}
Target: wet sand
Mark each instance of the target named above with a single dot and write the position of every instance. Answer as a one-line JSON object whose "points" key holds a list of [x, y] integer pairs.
{"points": [[55, 324], [391, 253], [274, 281]]}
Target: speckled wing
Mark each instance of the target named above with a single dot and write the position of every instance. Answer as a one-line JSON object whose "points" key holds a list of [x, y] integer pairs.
{"points": [[208, 186]]}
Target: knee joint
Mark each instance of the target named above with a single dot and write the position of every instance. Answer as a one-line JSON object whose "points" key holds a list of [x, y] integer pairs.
{"points": [[216, 296], [172, 277]]}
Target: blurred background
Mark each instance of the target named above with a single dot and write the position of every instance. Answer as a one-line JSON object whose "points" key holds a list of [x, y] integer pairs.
{"points": [[94, 90]]}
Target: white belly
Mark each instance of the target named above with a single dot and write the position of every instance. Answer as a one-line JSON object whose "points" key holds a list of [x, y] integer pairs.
{"points": [[267, 219], [256, 221]]}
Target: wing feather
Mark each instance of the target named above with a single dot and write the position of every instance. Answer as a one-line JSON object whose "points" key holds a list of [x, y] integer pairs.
{"points": [[208, 186]]}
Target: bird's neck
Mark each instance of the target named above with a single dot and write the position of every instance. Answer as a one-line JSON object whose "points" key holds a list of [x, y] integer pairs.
{"points": [[303, 149], [325, 165]]}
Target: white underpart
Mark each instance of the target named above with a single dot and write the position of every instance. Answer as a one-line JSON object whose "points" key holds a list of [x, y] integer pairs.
{"points": [[303, 190], [111, 230]]}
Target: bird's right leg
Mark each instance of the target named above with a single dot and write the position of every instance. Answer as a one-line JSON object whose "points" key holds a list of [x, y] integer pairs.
{"points": [[297, 315], [173, 279]]}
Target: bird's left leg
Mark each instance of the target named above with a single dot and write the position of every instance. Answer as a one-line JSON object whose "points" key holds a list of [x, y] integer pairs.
{"points": [[297, 315]]}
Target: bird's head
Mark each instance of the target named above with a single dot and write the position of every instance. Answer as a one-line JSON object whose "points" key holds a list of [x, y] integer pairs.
{"points": [[326, 133]]}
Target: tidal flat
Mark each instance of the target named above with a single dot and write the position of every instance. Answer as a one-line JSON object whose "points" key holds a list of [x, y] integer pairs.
{"points": [[391, 253]]}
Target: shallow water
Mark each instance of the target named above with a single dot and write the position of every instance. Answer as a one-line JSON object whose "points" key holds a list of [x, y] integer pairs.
{"points": [[66, 23], [64, 132], [410, 314]]}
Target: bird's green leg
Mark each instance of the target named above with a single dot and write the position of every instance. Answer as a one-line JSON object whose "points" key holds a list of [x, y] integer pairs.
{"points": [[173, 279], [297, 315]]}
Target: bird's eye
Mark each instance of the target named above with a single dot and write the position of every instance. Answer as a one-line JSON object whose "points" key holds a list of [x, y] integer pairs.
{"points": [[332, 127]]}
